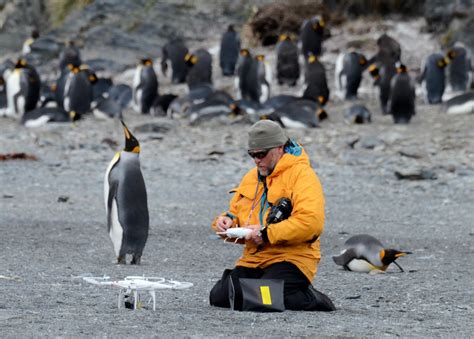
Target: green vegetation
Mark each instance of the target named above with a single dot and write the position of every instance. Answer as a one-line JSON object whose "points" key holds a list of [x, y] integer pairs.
{"points": [[59, 9]]}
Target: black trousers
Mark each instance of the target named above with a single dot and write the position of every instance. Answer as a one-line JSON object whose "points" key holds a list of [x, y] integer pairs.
{"points": [[299, 294]]}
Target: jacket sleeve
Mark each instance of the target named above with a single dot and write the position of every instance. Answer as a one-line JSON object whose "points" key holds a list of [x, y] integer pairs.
{"points": [[306, 222], [232, 212]]}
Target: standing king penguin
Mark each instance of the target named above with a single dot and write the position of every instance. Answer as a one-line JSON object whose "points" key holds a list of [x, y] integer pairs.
{"points": [[126, 202], [145, 86], [288, 67], [402, 96], [23, 88], [229, 51], [433, 77]]}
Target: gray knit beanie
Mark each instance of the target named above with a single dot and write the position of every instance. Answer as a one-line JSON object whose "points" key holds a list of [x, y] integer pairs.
{"points": [[266, 134]]}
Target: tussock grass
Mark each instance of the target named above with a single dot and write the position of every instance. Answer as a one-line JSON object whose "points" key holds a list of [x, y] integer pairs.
{"points": [[59, 9]]}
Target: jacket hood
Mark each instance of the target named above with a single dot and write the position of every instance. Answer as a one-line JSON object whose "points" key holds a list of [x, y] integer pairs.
{"points": [[294, 154]]}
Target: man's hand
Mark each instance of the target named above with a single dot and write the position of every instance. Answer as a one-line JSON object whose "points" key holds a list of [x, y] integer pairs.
{"points": [[223, 222], [254, 235]]}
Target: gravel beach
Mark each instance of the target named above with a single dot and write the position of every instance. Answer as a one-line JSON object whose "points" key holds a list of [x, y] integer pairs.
{"points": [[54, 229]]}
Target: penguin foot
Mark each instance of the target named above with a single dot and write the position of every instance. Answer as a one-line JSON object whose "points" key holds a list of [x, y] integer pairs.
{"points": [[136, 260], [121, 260]]}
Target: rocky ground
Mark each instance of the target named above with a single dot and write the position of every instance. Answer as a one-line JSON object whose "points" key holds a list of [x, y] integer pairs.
{"points": [[53, 223]]}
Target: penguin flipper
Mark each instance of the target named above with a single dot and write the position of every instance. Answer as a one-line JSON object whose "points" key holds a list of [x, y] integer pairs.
{"points": [[112, 194], [345, 258]]}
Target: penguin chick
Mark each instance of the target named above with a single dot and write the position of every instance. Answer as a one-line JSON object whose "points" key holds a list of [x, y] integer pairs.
{"points": [[126, 202], [364, 253]]}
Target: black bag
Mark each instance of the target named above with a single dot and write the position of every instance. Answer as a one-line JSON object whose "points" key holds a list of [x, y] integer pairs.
{"points": [[259, 295]]}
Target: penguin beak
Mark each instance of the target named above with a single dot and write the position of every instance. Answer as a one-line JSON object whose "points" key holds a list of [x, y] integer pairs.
{"points": [[126, 130], [402, 254], [131, 143]]}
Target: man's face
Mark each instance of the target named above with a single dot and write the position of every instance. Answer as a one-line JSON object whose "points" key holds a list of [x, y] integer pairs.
{"points": [[267, 164]]}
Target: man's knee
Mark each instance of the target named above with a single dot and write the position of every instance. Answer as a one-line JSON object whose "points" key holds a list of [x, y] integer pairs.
{"points": [[219, 295]]}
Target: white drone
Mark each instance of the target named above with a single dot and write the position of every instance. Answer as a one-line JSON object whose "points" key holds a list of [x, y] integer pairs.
{"points": [[236, 233], [136, 284]]}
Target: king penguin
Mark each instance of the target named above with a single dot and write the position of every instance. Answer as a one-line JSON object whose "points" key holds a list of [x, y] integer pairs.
{"points": [[364, 253], [78, 92], [145, 86], [173, 54], [349, 68], [433, 77], [199, 68], [402, 96], [316, 83], [460, 68], [69, 56], [229, 51], [126, 202], [288, 67], [312, 36], [23, 86]]}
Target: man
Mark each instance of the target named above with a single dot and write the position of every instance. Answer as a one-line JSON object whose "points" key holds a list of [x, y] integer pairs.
{"points": [[286, 250]]}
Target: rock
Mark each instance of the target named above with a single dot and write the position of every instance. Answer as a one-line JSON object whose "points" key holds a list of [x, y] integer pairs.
{"points": [[153, 128], [414, 153], [370, 142], [416, 174]]}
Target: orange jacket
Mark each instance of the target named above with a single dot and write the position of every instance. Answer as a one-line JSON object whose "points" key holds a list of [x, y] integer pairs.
{"points": [[293, 239]]}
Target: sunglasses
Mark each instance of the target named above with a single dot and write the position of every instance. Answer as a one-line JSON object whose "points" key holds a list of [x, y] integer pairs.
{"points": [[259, 154]]}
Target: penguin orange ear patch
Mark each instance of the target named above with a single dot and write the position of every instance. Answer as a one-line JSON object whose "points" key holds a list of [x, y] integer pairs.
{"points": [[311, 59], [194, 59], [322, 114], [362, 61]]}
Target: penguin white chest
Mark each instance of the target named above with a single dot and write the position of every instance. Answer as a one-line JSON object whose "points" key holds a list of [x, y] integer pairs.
{"points": [[360, 265], [116, 230], [137, 92], [13, 88]]}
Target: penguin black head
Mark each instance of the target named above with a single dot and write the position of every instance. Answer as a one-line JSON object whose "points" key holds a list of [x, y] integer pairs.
{"points": [[374, 71], [442, 62], [21, 63], [244, 52], [389, 256], [452, 54], [322, 114], [131, 143], [401, 68], [92, 77], [362, 60], [284, 37], [35, 33], [230, 28], [318, 24], [190, 59], [322, 99], [74, 69], [236, 110], [146, 62]]}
